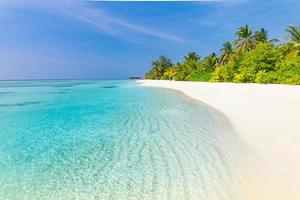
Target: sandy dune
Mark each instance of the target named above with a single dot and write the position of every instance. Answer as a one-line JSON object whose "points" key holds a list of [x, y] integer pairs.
{"points": [[267, 120]]}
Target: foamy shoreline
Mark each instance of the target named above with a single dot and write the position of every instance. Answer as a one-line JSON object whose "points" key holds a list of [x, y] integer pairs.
{"points": [[267, 120]]}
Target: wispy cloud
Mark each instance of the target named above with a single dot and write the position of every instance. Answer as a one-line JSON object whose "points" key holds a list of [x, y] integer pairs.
{"points": [[84, 12]]}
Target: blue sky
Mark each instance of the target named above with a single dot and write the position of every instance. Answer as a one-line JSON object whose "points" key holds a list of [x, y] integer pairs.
{"points": [[55, 39]]}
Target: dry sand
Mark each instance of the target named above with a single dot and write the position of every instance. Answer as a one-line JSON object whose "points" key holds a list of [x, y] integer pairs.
{"points": [[267, 121]]}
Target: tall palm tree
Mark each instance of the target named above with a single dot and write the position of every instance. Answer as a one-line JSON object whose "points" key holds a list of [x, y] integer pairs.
{"points": [[192, 56], [190, 64], [261, 35], [211, 61], [161, 65], [294, 34], [226, 52], [294, 37], [245, 41]]}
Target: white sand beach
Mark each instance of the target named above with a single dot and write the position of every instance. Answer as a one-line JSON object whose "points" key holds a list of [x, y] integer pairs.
{"points": [[266, 118]]}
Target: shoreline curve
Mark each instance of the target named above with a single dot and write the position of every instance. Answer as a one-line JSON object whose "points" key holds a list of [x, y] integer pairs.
{"points": [[265, 118]]}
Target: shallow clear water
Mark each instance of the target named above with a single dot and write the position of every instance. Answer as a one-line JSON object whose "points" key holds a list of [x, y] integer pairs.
{"points": [[67, 140]]}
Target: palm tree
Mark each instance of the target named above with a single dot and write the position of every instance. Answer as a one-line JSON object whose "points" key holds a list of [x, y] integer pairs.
{"points": [[245, 41], [294, 37], [161, 65], [192, 56], [190, 64], [226, 52], [211, 61], [294, 34], [261, 35]]}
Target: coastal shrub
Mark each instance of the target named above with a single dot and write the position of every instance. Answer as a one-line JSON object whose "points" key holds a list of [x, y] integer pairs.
{"points": [[245, 75], [267, 77], [164, 77], [224, 73], [263, 57], [203, 75], [289, 70], [261, 77], [217, 75], [180, 76]]}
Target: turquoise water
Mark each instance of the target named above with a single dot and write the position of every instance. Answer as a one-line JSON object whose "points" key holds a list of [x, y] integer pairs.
{"points": [[67, 140]]}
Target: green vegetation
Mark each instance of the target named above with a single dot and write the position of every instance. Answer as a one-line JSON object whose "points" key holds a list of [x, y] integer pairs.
{"points": [[251, 58]]}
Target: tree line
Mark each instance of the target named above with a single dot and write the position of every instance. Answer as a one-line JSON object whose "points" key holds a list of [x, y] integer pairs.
{"points": [[251, 58]]}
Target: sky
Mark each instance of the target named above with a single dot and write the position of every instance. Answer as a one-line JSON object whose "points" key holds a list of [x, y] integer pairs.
{"points": [[74, 39]]}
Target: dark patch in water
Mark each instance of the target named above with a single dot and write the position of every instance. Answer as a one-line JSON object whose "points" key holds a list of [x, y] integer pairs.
{"points": [[20, 104], [108, 87], [66, 85], [6, 93], [59, 81], [57, 93], [22, 85], [43, 83]]}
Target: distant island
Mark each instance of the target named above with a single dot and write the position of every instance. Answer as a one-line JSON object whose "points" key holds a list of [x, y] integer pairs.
{"points": [[134, 77], [251, 58]]}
